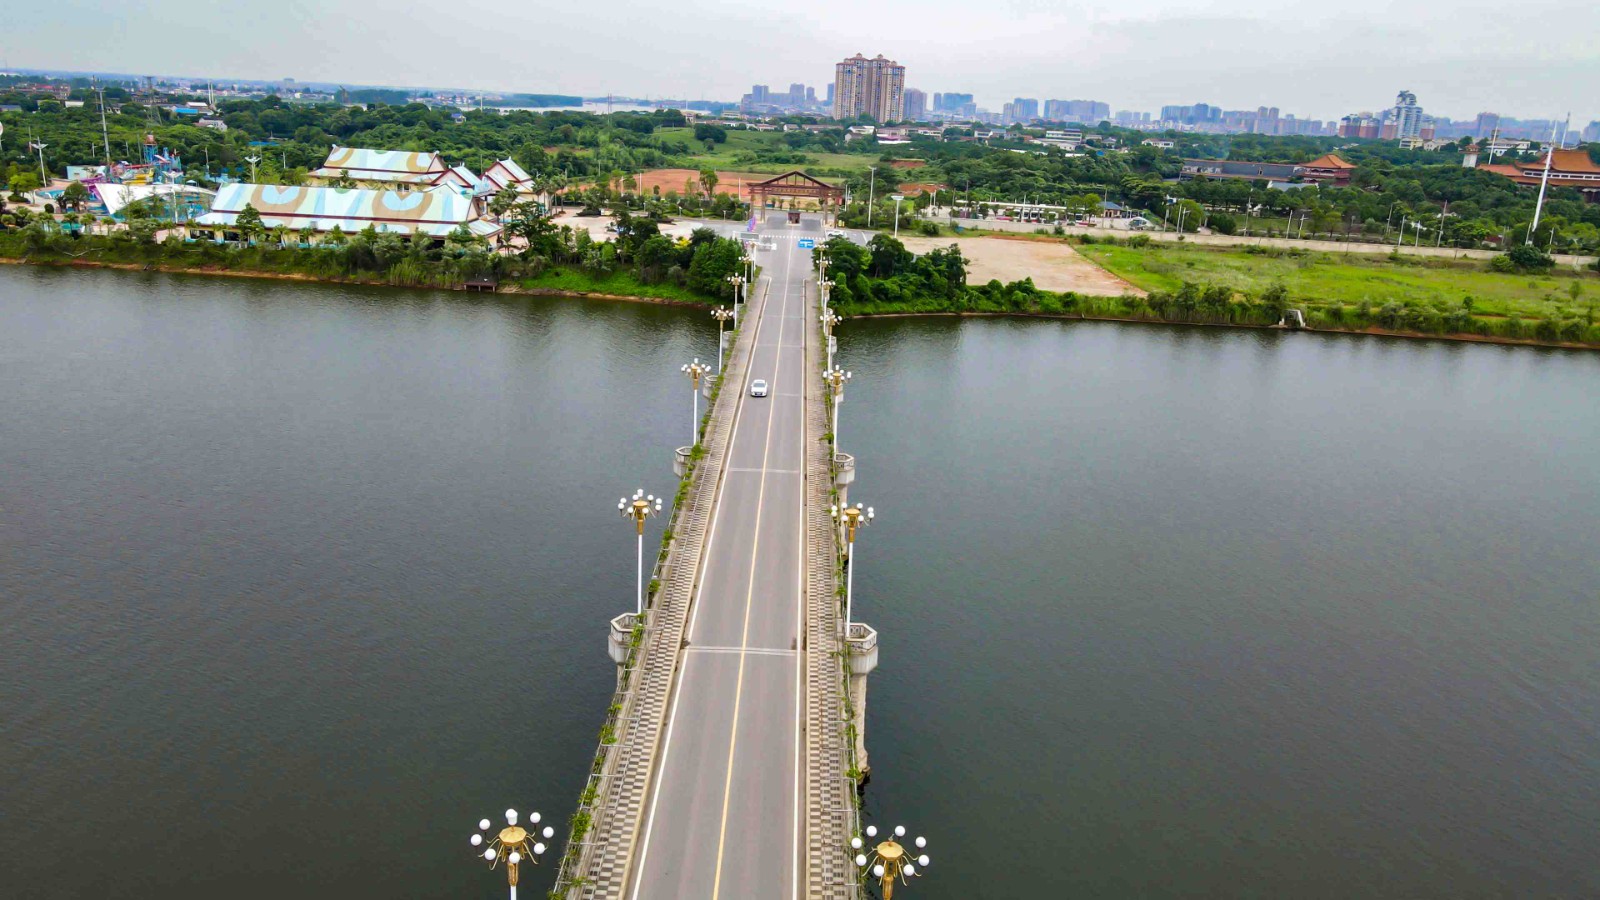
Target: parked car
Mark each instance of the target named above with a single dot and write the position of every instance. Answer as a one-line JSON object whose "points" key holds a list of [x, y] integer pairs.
{"points": [[758, 388]]}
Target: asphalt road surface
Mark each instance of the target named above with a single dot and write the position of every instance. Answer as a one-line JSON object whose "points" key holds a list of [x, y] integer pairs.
{"points": [[723, 818]]}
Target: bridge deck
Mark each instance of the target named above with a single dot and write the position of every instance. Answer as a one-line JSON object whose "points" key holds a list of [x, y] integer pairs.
{"points": [[732, 785]]}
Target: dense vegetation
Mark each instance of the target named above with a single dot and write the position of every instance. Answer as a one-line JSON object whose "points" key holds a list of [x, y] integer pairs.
{"points": [[1389, 186], [641, 262]]}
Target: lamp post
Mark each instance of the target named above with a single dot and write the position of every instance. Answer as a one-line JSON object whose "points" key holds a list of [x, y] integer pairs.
{"points": [[44, 177], [897, 199], [514, 843], [722, 314], [889, 858], [830, 319], [695, 370], [737, 281], [252, 160], [854, 518], [836, 377], [640, 508], [872, 184]]}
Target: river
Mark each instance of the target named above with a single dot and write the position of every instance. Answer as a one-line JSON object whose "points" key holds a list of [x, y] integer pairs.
{"points": [[299, 581]]}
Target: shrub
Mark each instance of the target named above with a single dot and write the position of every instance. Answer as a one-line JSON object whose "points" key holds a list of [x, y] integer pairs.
{"points": [[1502, 263], [1529, 259]]}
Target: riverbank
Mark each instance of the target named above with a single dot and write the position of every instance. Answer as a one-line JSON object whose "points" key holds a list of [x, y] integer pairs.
{"points": [[1370, 332], [629, 290]]}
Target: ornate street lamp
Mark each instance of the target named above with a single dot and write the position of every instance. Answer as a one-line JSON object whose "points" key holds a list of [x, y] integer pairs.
{"points": [[640, 508], [722, 314], [836, 378], [513, 843], [736, 281], [695, 370], [854, 518], [889, 859], [829, 319]]}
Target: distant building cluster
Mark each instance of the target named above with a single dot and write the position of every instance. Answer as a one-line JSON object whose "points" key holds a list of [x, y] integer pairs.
{"points": [[799, 98], [1405, 121]]}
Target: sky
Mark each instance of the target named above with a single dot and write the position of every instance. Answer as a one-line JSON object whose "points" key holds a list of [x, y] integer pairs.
{"points": [[1315, 58]]}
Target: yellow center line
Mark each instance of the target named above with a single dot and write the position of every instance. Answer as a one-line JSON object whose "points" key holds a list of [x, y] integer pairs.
{"points": [[750, 591]]}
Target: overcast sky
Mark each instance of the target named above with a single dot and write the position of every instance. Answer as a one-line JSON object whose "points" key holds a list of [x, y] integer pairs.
{"points": [[1315, 58]]}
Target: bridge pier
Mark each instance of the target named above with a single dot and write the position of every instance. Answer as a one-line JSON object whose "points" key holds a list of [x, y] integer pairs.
{"points": [[861, 652], [620, 639]]}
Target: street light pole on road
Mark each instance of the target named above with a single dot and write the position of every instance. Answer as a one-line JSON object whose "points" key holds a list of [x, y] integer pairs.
{"points": [[640, 508], [854, 518], [737, 281], [836, 378], [695, 370], [897, 199], [889, 859], [513, 843], [830, 319], [722, 314]]}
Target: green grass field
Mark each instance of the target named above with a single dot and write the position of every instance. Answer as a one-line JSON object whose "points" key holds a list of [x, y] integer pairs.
{"points": [[1329, 278], [750, 142]]}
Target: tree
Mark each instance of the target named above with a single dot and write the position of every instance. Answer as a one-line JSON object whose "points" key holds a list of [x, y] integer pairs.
{"points": [[708, 180], [22, 183], [503, 202], [527, 220], [249, 223], [75, 196], [1529, 259], [344, 180], [705, 131]]}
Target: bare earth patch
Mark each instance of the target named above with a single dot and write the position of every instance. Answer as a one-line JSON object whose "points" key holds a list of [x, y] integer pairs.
{"points": [[1053, 266]]}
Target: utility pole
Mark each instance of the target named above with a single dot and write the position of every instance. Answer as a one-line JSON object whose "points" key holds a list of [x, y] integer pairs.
{"points": [[44, 177], [105, 134], [1544, 180]]}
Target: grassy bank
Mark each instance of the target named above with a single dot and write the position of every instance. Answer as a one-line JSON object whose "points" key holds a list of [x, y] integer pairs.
{"points": [[1250, 287], [1319, 279]]}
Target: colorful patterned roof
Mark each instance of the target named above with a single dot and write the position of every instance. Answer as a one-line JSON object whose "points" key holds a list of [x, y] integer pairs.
{"points": [[506, 173], [399, 166], [435, 212]]}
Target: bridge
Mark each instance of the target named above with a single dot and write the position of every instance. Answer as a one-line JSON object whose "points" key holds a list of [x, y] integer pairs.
{"points": [[727, 766]]}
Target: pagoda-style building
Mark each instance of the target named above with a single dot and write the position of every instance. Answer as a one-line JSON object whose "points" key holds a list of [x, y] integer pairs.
{"points": [[1329, 168], [1568, 169]]}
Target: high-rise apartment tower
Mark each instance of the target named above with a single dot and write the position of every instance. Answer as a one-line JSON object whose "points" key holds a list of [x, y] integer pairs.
{"points": [[871, 87]]}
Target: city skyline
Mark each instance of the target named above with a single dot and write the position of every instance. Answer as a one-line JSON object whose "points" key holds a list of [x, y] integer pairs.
{"points": [[1142, 56]]}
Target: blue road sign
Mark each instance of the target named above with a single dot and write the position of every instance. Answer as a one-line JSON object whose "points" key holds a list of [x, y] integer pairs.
{"points": [[808, 243]]}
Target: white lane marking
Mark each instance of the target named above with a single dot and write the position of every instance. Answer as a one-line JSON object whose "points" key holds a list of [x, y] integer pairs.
{"points": [[694, 610], [762, 651], [769, 471], [749, 602]]}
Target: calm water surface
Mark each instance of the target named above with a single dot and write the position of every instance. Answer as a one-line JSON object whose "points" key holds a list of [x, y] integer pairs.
{"points": [[298, 582]]}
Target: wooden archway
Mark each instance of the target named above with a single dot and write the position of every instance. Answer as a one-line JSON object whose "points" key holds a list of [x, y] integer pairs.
{"points": [[798, 185]]}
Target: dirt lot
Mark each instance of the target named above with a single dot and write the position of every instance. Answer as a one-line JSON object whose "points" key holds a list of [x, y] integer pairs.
{"points": [[727, 182], [1052, 266]]}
